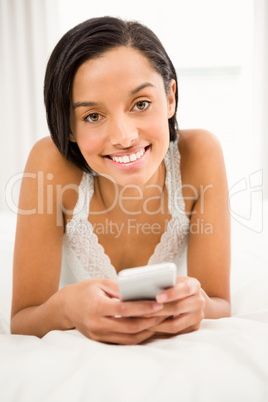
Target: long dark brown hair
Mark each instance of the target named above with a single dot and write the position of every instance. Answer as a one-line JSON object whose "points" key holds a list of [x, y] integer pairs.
{"points": [[89, 40]]}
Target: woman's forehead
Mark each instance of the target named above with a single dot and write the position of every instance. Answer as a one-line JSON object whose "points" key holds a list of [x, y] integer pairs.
{"points": [[120, 68], [115, 60]]}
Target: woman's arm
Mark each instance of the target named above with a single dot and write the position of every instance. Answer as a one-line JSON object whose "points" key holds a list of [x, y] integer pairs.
{"points": [[205, 292], [37, 253], [91, 306], [208, 258]]}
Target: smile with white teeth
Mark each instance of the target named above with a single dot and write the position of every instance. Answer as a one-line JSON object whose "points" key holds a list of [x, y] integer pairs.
{"points": [[128, 158]]}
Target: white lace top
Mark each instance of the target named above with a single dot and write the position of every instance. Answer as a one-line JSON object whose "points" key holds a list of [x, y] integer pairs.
{"points": [[84, 257]]}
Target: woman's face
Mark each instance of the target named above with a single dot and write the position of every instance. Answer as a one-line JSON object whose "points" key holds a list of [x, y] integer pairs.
{"points": [[119, 115]]}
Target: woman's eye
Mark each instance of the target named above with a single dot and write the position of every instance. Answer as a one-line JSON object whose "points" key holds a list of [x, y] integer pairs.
{"points": [[141, 105], [93, 117]]}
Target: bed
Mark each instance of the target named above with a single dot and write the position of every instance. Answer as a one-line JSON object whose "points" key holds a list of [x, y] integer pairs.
{"points": [[225, 360]]}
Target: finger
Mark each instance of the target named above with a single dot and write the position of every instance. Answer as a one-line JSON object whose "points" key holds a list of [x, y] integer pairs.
{"points": [[114, 307], [184, 287], [191, 328], [187, 305], [101, 326], [132, 325], [180, 323], [110, 287], [123, 339], [123, 325]]}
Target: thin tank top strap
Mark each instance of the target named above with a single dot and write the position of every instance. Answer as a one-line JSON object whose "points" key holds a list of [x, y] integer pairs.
{"points": [[176, 203], [85, 192]]}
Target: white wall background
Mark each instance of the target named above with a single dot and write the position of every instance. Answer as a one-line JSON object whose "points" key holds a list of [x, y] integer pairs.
{"points": [[219, 48]]}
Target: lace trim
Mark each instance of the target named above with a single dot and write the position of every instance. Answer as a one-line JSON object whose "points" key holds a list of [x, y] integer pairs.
{"points": [[84, 242], [81, 241], [171, 242]]}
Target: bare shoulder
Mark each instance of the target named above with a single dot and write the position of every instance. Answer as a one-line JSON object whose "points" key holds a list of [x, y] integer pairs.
{"points": [[48, 170], [198, 143], [201, 154], [45, 157]]}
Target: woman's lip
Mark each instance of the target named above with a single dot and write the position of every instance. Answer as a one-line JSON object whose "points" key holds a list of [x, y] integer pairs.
{"points": [[128, 153], [130, 165]]}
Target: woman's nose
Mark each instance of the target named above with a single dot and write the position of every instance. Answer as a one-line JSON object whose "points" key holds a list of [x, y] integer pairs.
{"points": [[123, 132]]}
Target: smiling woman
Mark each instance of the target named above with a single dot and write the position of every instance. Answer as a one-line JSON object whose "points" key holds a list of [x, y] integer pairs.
{"points": [[122, 132], [129, 180]]}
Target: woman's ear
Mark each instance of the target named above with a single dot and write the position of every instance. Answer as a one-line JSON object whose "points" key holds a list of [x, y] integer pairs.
{"points": [[71, 137], [171, 98]]}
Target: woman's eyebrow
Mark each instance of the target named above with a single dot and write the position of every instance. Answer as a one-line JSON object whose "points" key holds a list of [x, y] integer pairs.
{"points": [[140, 87], [84, 104]]}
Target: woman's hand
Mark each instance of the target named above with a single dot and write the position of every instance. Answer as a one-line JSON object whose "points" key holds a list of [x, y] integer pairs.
{"points": [[184, 306], [93, 307]]}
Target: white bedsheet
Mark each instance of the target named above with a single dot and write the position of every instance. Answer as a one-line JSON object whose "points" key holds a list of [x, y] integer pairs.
{"points": [[226, 360]]}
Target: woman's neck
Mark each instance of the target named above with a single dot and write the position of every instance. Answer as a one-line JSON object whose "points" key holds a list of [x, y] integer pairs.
{"points": [[132, 198]]}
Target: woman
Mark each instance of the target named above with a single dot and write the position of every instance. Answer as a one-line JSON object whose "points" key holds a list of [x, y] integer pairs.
{"points": [[118, 186]]}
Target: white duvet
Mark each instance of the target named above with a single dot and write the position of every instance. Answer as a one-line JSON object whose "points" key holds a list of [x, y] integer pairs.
{"points": [[225, 361]]}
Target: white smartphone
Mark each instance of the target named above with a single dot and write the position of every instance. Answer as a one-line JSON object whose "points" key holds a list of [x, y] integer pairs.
{"points": [[145, 283]]}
